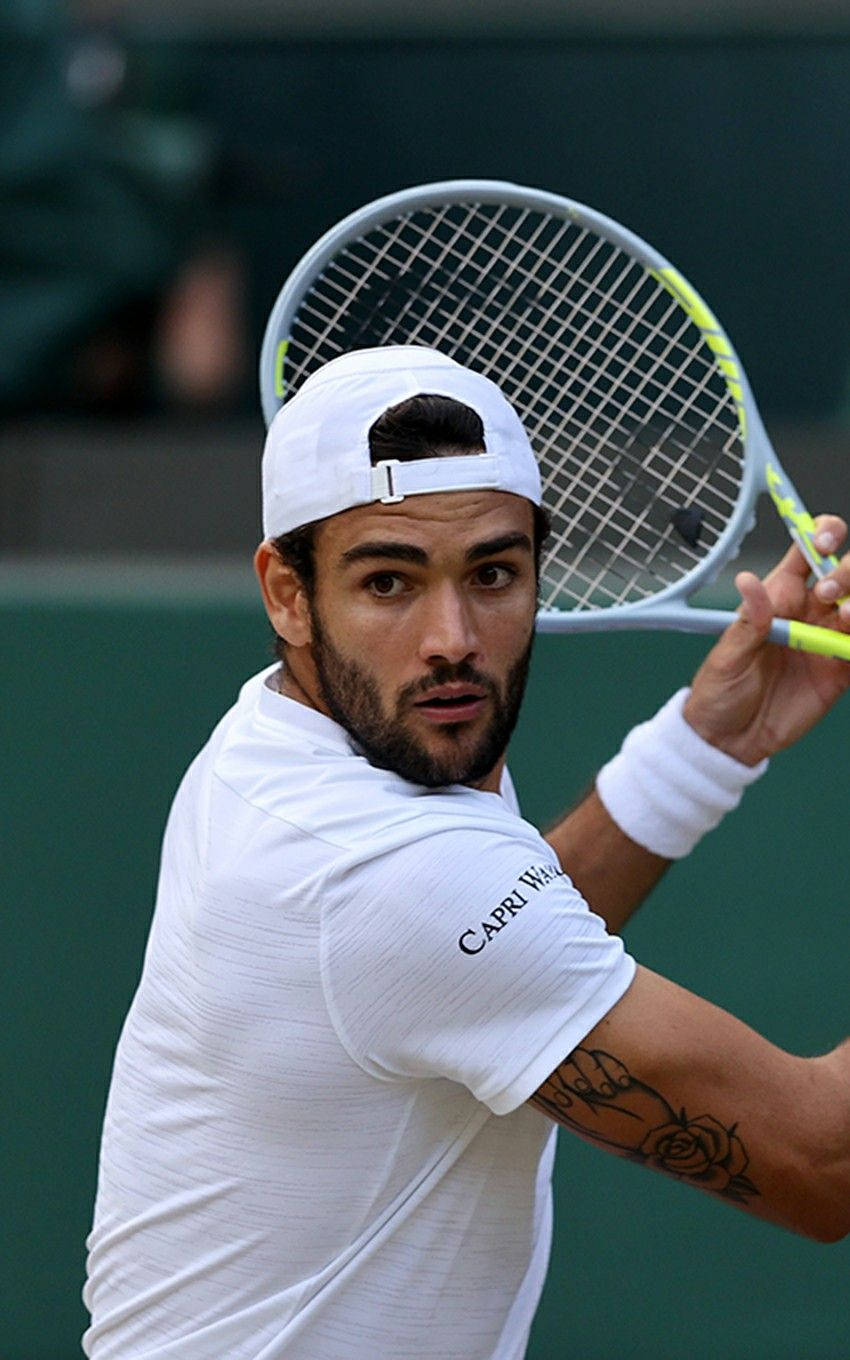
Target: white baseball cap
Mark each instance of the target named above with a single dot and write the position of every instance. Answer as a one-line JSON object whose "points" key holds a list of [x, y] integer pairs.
{"points": [[316, 459]]}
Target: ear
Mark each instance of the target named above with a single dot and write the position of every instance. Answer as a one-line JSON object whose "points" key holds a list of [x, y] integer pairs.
{"points": [[283, 596]]}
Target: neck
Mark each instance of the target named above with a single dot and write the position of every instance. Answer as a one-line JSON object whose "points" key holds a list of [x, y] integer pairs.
{"points": [[301, 688]]}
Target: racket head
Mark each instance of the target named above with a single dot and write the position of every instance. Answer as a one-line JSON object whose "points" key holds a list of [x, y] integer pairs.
{"points": [[599, 343]]}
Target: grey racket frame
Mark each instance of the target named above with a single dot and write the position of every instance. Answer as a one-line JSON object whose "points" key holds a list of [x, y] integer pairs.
{"points": [[666, 609]]}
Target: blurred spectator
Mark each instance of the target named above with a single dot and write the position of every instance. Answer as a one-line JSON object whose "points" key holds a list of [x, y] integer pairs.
{"points": [[115, 292]]}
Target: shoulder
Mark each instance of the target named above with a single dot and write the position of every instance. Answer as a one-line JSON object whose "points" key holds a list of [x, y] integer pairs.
{"points": [[452, 880], [293, 765]]}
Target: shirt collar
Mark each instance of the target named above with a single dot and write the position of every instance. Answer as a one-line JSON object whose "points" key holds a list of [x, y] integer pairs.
{"points": [[271, 704]]}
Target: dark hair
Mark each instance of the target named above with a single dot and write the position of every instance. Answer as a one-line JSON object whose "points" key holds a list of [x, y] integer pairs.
{"points": [[424, 426]]}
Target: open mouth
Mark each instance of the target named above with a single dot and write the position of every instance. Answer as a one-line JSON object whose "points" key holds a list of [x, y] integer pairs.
{"points": [[451, 706]]}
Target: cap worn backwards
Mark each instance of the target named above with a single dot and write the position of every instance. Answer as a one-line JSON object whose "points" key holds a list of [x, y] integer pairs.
{"points": [[316, 459]]}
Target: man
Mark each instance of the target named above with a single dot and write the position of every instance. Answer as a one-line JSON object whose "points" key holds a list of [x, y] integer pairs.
{"points": [[371, 989]]}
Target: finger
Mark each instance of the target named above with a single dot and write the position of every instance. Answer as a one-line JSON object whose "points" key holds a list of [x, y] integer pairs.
{"points": [[830, 532], [735, 651], [834, 588], [756, 610]]}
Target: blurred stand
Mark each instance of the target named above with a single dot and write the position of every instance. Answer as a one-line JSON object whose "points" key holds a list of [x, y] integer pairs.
{"points": [[119, 292], [163, 166]]}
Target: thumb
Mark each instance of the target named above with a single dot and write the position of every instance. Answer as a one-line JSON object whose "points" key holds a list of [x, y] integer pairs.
{"points": [[749, 631], [755, 610]]}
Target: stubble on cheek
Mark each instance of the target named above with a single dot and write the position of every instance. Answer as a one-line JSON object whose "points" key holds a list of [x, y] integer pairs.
{"points": [[353, 699]]}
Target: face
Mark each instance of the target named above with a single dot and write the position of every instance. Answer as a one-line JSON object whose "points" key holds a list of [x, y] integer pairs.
{"points": [[422, 623]]}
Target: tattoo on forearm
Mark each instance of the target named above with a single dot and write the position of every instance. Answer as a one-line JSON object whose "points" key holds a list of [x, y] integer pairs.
{"points": [[593, 1093]]}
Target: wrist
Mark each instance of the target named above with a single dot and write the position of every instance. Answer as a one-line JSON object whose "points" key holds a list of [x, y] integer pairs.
{"points": [[668, 786], [737, 746]]}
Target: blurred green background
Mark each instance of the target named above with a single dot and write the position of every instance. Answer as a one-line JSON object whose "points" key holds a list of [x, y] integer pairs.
{"points": [[105, 700], [160, 173]]}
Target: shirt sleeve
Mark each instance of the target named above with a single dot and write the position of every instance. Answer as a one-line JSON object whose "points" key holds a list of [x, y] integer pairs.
{"points": [[468, 955]]}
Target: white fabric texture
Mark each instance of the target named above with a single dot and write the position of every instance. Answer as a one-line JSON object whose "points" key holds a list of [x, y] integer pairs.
{"points": [[667, 787], [316, 459], [348, 979]]}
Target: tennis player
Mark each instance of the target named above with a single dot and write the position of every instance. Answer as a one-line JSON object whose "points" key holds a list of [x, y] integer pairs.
{"points": [[372, 990]]}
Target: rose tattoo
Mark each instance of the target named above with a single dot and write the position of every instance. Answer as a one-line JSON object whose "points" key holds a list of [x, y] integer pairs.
{"points": [[700, 1150], [595, 1094]]}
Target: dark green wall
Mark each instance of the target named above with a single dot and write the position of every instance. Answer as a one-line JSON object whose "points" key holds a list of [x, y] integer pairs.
{"points": [[102, 705], [731, 156]]}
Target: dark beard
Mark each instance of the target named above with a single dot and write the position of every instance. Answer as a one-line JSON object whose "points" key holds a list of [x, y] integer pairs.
{"points": [[353, 701]]}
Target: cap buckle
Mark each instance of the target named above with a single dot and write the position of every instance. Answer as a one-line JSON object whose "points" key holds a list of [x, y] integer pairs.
{"points": [[383, 489]]}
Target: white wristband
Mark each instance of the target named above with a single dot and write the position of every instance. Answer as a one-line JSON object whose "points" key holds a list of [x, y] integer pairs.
{"points": [[667, 786]]}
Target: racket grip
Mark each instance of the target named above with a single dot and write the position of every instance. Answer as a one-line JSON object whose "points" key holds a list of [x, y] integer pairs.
{"points": [[806, 637]]}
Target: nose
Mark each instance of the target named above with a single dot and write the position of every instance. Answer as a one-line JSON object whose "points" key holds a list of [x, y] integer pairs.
{"points": [[448, 631]]}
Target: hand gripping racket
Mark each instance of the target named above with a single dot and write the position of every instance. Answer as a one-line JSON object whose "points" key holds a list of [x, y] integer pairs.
{"points": [[651, 449]]}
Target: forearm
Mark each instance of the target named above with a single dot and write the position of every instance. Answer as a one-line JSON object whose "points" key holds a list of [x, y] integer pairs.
{"points": [[830, 1169], [611, 871], [679, 1085]]}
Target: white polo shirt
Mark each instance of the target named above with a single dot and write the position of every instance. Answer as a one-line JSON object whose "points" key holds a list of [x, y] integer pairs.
{"points": [[317, 1144]]}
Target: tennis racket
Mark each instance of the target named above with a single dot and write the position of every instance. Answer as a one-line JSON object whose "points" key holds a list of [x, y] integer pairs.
{"points": [[651, 449]]}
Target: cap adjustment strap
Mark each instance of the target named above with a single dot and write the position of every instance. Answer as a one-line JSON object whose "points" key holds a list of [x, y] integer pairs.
{"points": [[392, 479]]}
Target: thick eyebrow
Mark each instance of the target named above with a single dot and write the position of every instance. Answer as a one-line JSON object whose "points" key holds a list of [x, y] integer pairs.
{"points": [[494, 546], [404, 552], [407, 552]]}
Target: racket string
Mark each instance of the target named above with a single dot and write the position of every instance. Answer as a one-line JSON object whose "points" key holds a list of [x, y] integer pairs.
{"points": [[351, 279], [436, 336], [679, 469], [435, 263], [622, 399], [591, 286], [507, 305]]}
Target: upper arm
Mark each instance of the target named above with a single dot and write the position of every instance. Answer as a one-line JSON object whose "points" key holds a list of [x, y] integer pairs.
{"points": [[611, 870], [466, 954], [675, 1083]]}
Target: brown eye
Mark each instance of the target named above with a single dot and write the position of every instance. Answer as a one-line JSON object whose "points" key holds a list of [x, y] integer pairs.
{"points": [[385, 584], [492, 576]]}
